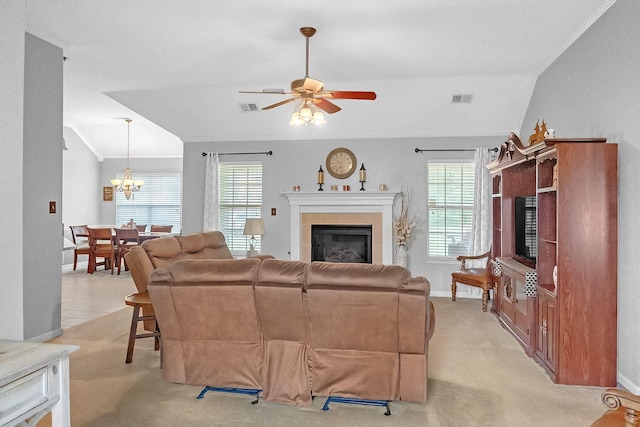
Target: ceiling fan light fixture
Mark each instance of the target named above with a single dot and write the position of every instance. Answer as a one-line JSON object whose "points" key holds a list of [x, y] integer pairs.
{"points": [[306, 113], [318, 118], [295, 119]]}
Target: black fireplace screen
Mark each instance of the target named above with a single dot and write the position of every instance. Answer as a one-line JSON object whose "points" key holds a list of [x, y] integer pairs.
{"points": [[341, 243]]}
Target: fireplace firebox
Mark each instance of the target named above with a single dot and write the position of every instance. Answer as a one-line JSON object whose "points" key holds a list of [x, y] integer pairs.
{"points": [[341, 243]]}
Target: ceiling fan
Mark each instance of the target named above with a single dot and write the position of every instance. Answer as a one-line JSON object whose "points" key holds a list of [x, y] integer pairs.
{"points": [[312, 94]]}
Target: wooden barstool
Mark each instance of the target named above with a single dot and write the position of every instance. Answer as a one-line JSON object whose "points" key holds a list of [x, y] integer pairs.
{"points": [[138, 301]]}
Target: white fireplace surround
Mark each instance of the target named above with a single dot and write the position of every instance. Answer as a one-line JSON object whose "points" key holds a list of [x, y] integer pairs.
{"points": [[319, 202]]}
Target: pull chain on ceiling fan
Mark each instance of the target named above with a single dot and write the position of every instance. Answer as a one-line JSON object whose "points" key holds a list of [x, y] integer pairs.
{"points": [[312, 95]]}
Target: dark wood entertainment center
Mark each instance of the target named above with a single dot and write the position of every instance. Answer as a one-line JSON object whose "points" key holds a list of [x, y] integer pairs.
{"points": [[568, 325]]}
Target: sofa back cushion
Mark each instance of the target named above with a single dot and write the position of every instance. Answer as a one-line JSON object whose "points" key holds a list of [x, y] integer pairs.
{"points": [[354, 306], [353, 317], [207, 313], [165, 251], [279, 295]]}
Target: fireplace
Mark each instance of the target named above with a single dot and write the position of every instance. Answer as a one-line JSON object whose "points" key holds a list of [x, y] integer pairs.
{"points": [[341, 243], [372, 208]]}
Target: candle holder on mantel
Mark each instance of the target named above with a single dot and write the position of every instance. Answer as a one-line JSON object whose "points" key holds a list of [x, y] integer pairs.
{"points": [[320, 178], [363, 177]]}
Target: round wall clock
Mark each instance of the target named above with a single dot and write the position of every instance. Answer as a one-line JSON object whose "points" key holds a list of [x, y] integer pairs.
{"points": [[341, 163]]}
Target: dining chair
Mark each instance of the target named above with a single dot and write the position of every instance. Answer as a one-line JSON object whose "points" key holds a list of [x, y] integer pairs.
{"points": [[142, 228], [101, 246], [80, 237], [162, 228], [126, 238]]}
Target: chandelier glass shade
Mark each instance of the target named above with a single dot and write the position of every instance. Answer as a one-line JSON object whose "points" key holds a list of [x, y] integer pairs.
{"points": [[307, 113], [127, 185]]}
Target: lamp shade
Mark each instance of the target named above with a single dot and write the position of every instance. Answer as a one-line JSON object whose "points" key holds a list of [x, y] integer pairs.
{"points": [[253, 227]]}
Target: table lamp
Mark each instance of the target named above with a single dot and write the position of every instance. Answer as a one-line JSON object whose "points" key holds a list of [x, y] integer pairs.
{"points": [[253, 227]]}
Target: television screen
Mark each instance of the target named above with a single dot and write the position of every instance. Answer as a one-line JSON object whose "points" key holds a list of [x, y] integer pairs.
{"points": [[525, 222]]}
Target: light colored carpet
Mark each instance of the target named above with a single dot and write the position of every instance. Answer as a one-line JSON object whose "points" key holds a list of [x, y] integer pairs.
{"points": [[478, 376]]}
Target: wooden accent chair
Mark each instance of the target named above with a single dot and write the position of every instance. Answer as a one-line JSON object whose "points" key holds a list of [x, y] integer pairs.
{"points": [[624, 409], [478, 277], [162, 228], [142, 228], [126, 238], [101, 246], [80, 236]]}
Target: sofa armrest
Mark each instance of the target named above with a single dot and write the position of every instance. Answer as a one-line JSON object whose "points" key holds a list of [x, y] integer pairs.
{"points": [[432, 321], [140, 267]]}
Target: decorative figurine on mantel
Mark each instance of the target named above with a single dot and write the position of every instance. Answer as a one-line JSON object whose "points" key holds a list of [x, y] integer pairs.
{"points": [[363, 177], [539, 134], [320, 178]]}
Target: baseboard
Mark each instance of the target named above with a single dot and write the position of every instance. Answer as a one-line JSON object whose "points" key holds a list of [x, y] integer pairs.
{"points": [[48, 336], [66, 268], [628, 384], [447, 294]]}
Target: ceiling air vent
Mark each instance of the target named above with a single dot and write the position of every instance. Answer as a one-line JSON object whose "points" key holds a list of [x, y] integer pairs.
{"points": [[248, 107], [461, 99]]}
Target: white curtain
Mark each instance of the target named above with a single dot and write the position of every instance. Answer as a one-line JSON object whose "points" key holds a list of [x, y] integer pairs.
{"points": [[211, 189], [482, 206]]}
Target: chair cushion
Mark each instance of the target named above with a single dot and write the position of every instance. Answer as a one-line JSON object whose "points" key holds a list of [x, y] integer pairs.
{"points": [[479, 275]]}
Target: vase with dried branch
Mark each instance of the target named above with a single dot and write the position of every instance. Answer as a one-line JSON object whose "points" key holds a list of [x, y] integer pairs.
{"points": [[403, 225]]}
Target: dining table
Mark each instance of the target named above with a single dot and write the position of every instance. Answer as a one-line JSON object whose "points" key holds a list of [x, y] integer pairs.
{"points": [[142, 236]]}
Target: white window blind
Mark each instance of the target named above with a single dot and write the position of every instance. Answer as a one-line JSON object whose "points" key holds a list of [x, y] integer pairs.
{"points": [[240, 198], [450, 195], [157, 203]]}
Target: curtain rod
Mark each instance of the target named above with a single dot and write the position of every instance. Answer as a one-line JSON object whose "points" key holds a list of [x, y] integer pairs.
{"points": [[420, 150], [268, 153]]}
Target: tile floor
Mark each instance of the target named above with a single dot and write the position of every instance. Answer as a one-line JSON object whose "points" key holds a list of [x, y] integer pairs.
{"points": [[88, 296]]}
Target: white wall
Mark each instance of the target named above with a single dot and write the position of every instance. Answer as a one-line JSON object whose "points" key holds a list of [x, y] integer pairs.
{"points": [[392, 162], [80, 179], [42, 162], [593, 90], [12, 26]]}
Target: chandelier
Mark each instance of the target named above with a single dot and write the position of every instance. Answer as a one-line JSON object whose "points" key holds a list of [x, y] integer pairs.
{"points": [[307, 113], [127, 185]]}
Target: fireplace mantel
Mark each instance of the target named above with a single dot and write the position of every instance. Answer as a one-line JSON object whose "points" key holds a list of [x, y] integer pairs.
{"points": [[335, 202]]}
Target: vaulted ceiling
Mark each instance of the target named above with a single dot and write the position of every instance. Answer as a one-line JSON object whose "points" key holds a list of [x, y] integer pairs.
{"points": [[176, 67]]}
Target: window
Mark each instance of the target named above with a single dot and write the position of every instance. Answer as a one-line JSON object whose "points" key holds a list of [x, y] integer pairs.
{"points": [[240, 198], [450, 210], [158, 201]]}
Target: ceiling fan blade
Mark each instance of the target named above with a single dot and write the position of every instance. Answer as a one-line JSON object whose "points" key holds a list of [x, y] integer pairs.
{"points": [[262, 92], [277, 104], [327, 106], [343, 94]]}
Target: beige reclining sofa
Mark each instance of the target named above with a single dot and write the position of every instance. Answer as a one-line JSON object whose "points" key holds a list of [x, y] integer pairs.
{"points": [[295, 330]]}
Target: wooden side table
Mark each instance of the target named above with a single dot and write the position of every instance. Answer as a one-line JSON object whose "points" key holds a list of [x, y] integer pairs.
{"points": [[34, 380]]}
